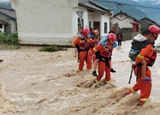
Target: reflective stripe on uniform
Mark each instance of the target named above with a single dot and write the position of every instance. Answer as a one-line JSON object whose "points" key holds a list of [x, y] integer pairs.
{"points": [[94, 49], [140, 56], [132, 90], [143, 99], [108, 81], [96, 80], [80, 41]]}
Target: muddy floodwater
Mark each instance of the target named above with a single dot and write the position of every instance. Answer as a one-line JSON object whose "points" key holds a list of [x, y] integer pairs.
{"points": [[42, 83]]}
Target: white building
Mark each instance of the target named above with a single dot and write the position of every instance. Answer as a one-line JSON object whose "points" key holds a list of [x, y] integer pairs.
{"points": [[123, 20], [56, 21], [93, 16]]}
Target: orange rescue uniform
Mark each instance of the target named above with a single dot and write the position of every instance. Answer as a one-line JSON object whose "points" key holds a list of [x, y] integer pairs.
{"points": [[143, 86], [104, 63], [83, 52]]}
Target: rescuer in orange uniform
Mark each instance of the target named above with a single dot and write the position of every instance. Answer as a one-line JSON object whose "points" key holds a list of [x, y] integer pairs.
{"points": [[83, 50], [144, 85], [105, 53]]}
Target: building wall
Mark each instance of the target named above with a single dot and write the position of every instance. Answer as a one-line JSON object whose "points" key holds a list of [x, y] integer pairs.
{"points": [[146, 23], [90, 17], [123, 21], [44, 21], [94, 17], [102, 18], [12, 26], [75, 19], [105, 19]]}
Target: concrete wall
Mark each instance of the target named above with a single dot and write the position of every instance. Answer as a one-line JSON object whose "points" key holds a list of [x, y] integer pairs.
{"points": [[13, 27], [44, 21], [105, 18], [129, 36], [90, 17], [75, 19], [102, 18]]}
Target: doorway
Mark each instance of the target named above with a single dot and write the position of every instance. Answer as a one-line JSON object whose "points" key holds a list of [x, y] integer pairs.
{"points": [[97, 26]]}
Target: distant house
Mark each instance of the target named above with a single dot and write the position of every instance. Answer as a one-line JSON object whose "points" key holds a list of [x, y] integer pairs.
{"points": [[7, 21], [57, 21], [124, 21], [94, 16], [146, 22]]}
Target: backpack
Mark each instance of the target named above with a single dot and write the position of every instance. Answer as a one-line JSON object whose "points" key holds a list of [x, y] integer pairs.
{"points": [[137, 46]]}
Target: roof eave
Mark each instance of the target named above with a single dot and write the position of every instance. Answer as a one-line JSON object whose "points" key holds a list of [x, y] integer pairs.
{"points": [[8, 16], [148, 19], [126, 15], [95, 9], [100, 6]]}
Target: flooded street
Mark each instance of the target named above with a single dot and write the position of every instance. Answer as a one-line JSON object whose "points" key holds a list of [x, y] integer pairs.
{"points": [[42, 83]]}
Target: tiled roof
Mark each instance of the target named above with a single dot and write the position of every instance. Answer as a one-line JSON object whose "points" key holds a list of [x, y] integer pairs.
{"points": [[9, 13], [147, 19], [93, 6]]}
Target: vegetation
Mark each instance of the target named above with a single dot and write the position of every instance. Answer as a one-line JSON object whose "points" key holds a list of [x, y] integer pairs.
{"points": [[9, 41], [52, 48], [142, 29]]}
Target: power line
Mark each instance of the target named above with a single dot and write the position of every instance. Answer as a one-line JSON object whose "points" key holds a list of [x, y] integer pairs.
{"points": [[118, 3]]}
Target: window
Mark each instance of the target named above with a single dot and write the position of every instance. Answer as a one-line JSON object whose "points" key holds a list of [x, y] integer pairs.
{"points": [[80, 22], [89, 24], [105, 27]]}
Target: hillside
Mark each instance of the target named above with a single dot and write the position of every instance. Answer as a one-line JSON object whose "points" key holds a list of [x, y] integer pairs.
{"points": [[133, 10]]}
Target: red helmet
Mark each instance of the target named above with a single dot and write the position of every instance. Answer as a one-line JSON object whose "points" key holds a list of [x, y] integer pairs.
{"points": [[86, 31], [112, 37], [96, 32], [154, 29]]}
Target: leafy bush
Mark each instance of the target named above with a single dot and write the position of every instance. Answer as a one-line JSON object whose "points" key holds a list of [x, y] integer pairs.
{"points": [[10, 39], [52, 48]]}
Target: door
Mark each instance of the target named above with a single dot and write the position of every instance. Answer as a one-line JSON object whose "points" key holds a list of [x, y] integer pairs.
{"points": [[97, 26]]}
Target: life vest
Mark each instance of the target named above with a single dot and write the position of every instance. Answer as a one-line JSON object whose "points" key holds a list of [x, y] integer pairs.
{"points": [[152, 59], [105, 56], [83, 44], [93, 43], [106, 53]]}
